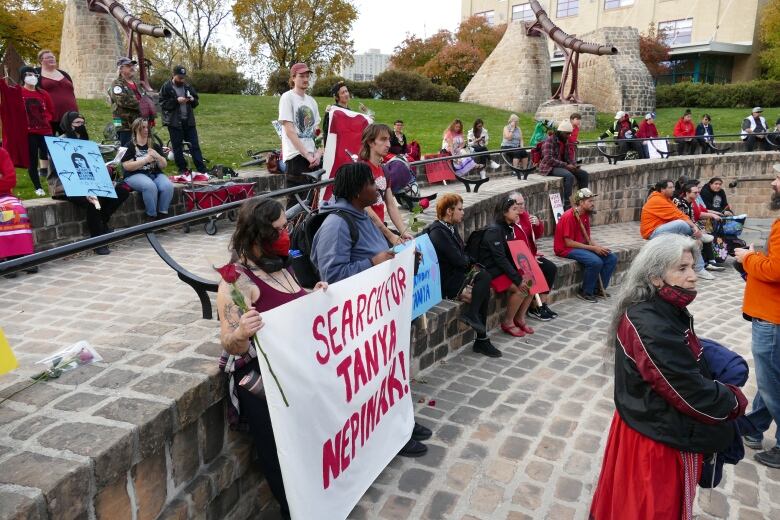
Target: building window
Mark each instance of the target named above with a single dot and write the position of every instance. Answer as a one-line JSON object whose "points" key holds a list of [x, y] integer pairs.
{"points": [[489, 16], [676, 31], [523, 12], [568, 8], [557, 53], [614, 4]]}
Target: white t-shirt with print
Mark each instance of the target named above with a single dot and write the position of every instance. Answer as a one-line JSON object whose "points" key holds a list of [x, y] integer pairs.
{"points": [[301, 111]]}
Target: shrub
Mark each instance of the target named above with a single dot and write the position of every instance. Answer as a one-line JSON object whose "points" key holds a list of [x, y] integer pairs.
{"points": [[398, 84], [729, 95], [358, 89], [218, 82], [278, 82]]}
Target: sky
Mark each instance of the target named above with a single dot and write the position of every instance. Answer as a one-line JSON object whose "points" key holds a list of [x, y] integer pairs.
{"points": [[383, 25]]}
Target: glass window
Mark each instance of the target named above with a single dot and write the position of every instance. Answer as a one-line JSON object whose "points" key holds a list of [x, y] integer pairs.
{"points": [[523, 12], [676, 31], [488, 15], [614, 4], [568, 8]]}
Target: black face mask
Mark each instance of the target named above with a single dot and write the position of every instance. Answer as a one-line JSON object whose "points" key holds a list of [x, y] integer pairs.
{"points": [[80, 131]]}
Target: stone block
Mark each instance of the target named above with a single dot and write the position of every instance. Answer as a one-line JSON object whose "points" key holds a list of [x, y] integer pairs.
{"points": [[185, 458], [200, 493], [150, 482], [21, 507], [154, 421], [64, 483], [112, 502], [212, 430], [190, 393], [222, 504], [176, 510]]}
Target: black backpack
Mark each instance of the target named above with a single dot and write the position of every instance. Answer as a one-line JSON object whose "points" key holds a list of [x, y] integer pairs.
{"points": [[301, 239], [473, 243]]}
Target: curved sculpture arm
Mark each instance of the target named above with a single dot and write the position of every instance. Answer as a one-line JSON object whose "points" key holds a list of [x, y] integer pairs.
{"points": [[127, 20], [565, 40]]}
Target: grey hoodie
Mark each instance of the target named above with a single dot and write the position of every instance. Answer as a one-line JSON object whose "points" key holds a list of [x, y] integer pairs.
{"points": [[332, 250]]}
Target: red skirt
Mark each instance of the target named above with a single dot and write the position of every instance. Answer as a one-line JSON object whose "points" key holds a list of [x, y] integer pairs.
{"points": [[644, 479]]}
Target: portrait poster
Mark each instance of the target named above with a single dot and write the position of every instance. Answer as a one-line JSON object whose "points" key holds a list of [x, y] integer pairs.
{"points": [[526, 262], [81, 167]]}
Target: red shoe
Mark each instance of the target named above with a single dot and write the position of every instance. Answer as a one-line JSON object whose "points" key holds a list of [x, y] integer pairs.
{"points": [[525, 328], [512, 330]]}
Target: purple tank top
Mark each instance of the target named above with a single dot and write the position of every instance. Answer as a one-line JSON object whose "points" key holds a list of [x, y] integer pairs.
{"points": [[270, 298]]}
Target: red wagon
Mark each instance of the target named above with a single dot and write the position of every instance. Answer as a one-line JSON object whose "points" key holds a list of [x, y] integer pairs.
{"points": [[211, 195]]}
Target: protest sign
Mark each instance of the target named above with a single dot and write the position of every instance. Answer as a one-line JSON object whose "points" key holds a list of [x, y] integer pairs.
{"points": [[526, 262], [7, 359], [427, 281], [342, 359], [656, 149], [345, 130], [80, 167], [557, 205]]}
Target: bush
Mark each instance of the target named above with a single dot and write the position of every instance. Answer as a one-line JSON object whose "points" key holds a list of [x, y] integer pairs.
{"points": [[218, 82], [358, 89], [278, 82], [398, 84], [729, 95]]}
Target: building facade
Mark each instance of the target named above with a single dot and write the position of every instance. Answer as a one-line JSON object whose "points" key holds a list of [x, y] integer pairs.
{"points": [[366, 66], [712, 41]]}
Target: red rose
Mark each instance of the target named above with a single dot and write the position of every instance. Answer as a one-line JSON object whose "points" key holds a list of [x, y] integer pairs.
{"points": [[424, 203], [228, 272]]}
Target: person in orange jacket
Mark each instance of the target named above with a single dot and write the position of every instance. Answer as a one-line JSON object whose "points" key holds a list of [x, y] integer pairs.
{"points": [[685, 134], [762, 305]]}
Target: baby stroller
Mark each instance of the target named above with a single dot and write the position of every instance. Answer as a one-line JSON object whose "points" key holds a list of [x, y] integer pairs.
{"points": [[403, 181], [727, 231]]}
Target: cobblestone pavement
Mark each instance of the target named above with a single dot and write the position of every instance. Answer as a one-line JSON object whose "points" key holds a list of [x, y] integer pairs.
{"points": [[523, 436]]}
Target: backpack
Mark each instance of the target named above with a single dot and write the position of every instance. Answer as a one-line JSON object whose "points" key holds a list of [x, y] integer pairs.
{"points": [[536, 153], [302, 238], [474, 242], [400, 176]]}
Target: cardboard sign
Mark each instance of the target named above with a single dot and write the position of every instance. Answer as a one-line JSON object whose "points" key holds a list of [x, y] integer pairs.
{"points": [[557, 205], [656, 149], [427, 281], [80, 167], [526, 262], [345, 130], [342, 359]]}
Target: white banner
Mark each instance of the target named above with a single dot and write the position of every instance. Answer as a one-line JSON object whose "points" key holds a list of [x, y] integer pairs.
{"points": [[342, 360]]}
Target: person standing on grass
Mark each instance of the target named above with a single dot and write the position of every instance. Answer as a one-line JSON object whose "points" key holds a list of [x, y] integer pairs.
{"points": [[178, 100], [126, 95], [300, 119], [762, 304], [40, 114], [59, 85]]}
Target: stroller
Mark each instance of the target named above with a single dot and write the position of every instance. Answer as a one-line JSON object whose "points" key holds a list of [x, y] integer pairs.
{"points": [[203, 197], [727, 231], [403, 181]]}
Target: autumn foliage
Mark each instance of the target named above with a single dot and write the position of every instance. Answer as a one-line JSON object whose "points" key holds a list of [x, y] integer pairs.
{"points": [[447, 58], [770, 38], [30, 26], [654, 51]]}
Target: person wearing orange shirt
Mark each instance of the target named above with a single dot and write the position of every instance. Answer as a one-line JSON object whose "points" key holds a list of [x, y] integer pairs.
{"points": [[762, 304]]}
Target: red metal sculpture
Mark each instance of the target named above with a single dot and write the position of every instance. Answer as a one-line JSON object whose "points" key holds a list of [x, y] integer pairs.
{"points": [[571, 48], [134, 28]]}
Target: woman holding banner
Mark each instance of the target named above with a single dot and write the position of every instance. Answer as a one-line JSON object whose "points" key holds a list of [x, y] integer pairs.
{"points": [[494, 255], [456, 266], [260, 246]]}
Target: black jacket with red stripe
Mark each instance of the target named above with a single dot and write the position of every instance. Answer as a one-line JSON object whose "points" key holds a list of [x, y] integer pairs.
{"points": [[663, 386]]}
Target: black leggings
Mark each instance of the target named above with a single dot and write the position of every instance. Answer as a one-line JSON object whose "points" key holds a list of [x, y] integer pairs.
{"points": [[549, 270], [294, 177], [480, 159], [37, 148], [255, 410], [97, 219]]}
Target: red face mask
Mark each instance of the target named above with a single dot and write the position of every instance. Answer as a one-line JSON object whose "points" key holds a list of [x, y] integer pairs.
{"points": [[281, 246], [676, 295]]}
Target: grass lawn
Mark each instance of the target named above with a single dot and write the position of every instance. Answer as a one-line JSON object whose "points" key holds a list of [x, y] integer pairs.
{"points": [[230, 125]]}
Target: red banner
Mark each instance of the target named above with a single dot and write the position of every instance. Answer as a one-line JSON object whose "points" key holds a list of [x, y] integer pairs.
{"points": [[527, 264]]}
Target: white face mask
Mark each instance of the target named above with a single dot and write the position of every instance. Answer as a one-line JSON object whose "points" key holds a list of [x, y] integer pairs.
{"points": [[31, 80]]}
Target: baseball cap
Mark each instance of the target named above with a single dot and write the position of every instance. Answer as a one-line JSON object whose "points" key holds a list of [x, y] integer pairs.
{"points": [[583, 194], [179, 70], [619, 114], [565, 126], [299, 68], [650, 115], [758, 109], [125, 61]]}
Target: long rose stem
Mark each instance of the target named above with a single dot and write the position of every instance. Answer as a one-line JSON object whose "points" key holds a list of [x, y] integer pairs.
{"points": [[258, 347]]}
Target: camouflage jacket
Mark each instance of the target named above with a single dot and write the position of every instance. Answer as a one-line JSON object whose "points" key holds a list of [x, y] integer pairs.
{"points": [[124, 104]]}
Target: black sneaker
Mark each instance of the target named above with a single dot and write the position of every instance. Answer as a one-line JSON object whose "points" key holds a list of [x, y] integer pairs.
{"points": [[582, 295], [413, 448], [769, 458], [31, 270], [551, 313], [421, 433], [102, 250], [538, 314], [754, 443], [486, 348]]}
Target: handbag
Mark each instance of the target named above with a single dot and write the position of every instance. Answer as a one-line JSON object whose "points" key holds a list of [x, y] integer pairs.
{"points": [[465, 292]]}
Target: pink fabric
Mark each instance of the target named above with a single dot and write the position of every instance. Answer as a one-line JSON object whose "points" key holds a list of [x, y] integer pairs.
{"points": [[15, 230]]}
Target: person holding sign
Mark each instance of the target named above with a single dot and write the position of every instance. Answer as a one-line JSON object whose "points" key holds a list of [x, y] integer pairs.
{"points": [[337, 256], [455, 265], [261, 246], [495, 256], [143, 164], [573, 240]]}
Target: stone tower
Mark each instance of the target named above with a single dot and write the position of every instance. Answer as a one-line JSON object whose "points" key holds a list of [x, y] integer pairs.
{"points": [[619, 82], [516, 75], [91, 44]]}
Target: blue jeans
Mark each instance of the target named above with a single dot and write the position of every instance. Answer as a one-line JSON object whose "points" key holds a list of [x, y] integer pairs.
{"points": [[680, 227], [189, 134], [595, 266], [766, 354], [157, 192]]}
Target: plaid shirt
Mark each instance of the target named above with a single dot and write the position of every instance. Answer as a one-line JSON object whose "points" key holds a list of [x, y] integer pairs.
{"points": [[552, 150]]}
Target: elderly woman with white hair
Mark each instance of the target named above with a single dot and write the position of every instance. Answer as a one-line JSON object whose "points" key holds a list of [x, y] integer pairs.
{"points": [[669, 410], [513, 138]]}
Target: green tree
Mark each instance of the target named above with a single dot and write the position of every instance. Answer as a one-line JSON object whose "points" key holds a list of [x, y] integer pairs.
{"points": [[31, 25], [287, 31], [770, 38]]}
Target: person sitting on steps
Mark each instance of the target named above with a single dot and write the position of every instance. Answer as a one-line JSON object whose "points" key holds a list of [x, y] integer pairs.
{"points": [[557, 161]]}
